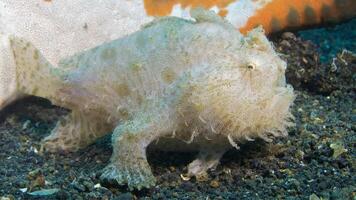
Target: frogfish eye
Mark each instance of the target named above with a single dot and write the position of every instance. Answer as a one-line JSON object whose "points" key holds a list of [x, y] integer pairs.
{"points": [[251, 66]]}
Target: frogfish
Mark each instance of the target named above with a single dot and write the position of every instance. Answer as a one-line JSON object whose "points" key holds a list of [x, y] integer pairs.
{"points": [[176, 81]]}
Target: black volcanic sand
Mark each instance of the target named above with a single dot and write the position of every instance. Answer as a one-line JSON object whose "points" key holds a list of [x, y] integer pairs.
{"points": [[315, 162]]}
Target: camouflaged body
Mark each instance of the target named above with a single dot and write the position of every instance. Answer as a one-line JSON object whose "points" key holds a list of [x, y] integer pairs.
{"points": [[199, 81]]}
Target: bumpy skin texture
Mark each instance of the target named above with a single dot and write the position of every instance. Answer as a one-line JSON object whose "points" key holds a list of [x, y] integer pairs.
{"points": [[201, 82]]}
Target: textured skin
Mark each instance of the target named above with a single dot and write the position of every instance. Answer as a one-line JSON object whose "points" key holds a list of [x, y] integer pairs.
{"points": [[201, 82]]}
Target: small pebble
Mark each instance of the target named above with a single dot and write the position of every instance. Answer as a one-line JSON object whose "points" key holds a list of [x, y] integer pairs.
{"points": [[125, 196], [202, 177], [33, 174], [214, 184], [289, 35], [172, 169], [78, 186], [8, 197], [285, 43]]}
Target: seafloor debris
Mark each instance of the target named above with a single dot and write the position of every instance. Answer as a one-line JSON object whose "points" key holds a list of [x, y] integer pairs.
{"points": [[305, 71]]}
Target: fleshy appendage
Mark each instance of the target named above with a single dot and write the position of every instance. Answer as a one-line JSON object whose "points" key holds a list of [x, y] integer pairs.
{"points": [[75, 131], [34, 75], [23, 70], [207, 159], [128, 164]]}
